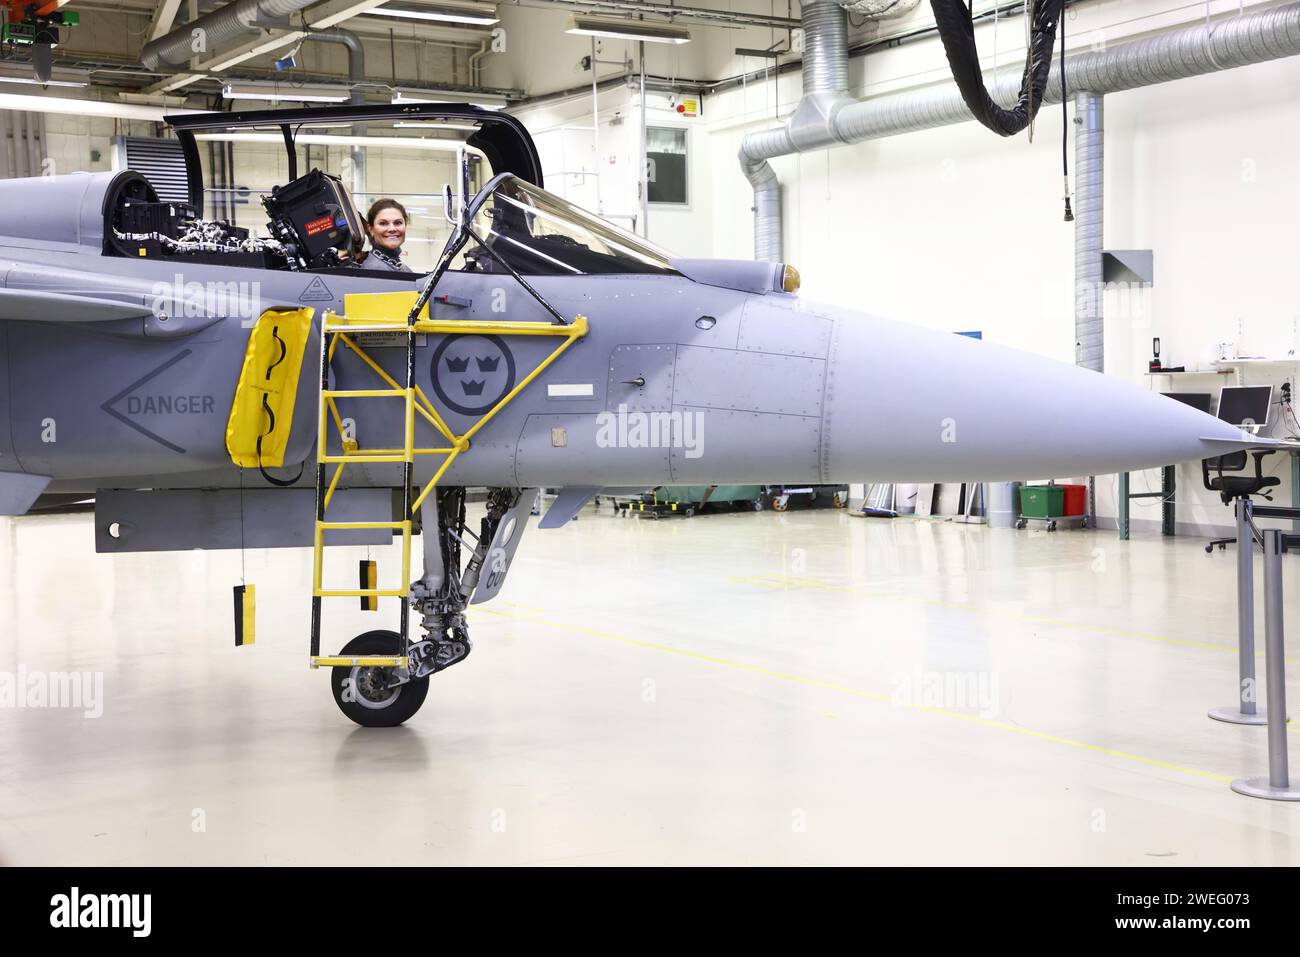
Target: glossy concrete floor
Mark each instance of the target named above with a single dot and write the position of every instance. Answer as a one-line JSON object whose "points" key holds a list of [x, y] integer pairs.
{"points": [[738, 688]]}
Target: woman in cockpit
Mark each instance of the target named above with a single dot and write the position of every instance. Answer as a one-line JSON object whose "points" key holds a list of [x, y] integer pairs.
{"points": [[386, 227]]}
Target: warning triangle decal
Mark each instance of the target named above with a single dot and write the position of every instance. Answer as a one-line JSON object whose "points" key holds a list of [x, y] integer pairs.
{"points": [[316, 291]]}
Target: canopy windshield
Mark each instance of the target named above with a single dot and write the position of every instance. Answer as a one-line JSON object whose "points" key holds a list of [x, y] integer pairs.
{"points": [[540, 234]]}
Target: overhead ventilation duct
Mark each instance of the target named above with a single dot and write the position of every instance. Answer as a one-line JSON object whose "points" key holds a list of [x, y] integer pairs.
{"points": [[825, 89], [356, 76], [880, 9], [825, 47], [220, 28], [1089, 229], [1175, 54]]}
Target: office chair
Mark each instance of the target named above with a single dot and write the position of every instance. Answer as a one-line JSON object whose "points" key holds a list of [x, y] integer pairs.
{"points": [[1236, 486]]}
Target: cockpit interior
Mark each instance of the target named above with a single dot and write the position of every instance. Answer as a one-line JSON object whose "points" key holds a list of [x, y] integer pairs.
{"points": [[487, 170]]}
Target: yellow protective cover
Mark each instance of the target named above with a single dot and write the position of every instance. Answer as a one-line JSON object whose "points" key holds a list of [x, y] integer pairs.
{"points": [[268, 385], [385, 307]]}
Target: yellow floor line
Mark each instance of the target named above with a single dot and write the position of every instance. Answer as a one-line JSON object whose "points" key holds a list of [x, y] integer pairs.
{"points": [[868, 695], [513, 604], [778, 583]]}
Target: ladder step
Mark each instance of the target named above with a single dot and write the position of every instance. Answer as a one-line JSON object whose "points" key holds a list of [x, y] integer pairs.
{"points": [[365, 393], [353, 526], [358, 457], [363, 326], [360, 593], [402, 451], [362, 661]]}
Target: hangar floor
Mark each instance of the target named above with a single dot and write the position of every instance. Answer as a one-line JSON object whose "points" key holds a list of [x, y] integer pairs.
{"points": [[730, 688]]}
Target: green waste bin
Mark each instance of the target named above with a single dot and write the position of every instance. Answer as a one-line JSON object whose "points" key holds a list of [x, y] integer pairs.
{"points": [[1042, 501]]}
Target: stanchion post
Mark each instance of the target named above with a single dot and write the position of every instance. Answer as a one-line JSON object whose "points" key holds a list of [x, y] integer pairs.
{"points": [[1277, 786], [1246, 710]]}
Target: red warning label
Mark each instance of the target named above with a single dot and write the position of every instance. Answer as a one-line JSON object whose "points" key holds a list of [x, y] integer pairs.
{"points": [[320, 225]]}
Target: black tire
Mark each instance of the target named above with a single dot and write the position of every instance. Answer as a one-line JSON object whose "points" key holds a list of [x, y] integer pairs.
{"points": [[372, 710]]}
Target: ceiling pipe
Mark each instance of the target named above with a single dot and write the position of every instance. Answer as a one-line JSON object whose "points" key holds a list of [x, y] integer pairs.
{"points": [[1089, 227], [356, 54], [220, 28], [1171, 55], [671, 12], [1089, 238], [825, 91], [356, 76]]}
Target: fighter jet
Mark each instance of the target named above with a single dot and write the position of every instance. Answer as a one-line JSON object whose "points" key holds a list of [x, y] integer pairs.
{"points": [[213, 388]]}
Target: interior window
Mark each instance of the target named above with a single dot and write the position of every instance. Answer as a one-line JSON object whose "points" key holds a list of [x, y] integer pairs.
{"points": [[666, 164]]}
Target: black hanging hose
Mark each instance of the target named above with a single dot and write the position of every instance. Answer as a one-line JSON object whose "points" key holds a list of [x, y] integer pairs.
{"points": [[957, 30], [1065, 127]]}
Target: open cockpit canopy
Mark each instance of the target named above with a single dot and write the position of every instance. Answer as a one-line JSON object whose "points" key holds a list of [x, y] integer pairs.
{"points": [[539, 234]]}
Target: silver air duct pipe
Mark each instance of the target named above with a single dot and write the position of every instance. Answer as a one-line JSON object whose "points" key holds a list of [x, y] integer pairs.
{"points": [[825, 87], [220, 28], [825, 47], [356, 53], [1173, 55], [356, 76], [1089, 221], [1089, 235]]}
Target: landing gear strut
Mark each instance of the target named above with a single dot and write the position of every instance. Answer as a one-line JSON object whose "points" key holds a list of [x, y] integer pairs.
{"points": [[386, 696]]}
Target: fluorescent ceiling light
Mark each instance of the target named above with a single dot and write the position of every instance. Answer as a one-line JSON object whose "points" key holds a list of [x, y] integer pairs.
{"points": [[62, 104], [628, 30], [485, 100], [57, 77], [433, 125], [442, 13], [152, 99], [288, 92], [331, 139]]}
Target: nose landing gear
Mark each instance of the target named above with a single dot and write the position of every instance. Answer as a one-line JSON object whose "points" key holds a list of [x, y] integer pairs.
{"points": [[376, 696]]}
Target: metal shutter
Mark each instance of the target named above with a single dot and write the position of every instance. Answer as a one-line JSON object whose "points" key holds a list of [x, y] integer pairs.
{"points": [[160, 161]]}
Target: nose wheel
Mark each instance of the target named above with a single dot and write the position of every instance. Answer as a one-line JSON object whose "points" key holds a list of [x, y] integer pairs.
{"points": [[373, 697]]}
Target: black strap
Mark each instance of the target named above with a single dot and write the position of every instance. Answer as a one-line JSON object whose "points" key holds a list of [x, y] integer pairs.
{"points": [[282, 483]]}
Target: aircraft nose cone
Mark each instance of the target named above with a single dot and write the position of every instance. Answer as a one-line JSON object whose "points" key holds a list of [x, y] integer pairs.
{"points": [[910, 404]]}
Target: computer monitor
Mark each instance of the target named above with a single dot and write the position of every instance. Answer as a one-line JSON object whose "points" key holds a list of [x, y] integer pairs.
{"points": [[1197, 400], [1246, 405]]}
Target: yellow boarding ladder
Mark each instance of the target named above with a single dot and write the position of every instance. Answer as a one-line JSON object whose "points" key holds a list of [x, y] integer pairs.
{"points": [[373, 313]]}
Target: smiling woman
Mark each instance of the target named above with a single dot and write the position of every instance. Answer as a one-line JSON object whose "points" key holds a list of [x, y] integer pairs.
{"points": [[386, 227]]}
